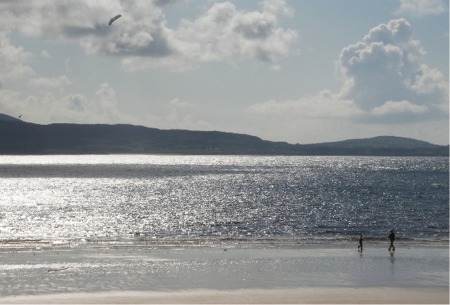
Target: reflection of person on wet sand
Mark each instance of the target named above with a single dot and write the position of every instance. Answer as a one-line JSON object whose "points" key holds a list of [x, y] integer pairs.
{"points": [[360, 247], [392, 238]]}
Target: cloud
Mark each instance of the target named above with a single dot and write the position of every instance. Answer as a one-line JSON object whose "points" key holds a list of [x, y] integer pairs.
{"points": [[48, 83], [182, 114], [386, 66], [14, 61], [421, 8], [428, 81], [225, 33], [278, 7], [143, 37], [57, 105], [322, 116], [45, 54], [402, 107], [141, 30], [384, 84], [324, 105], [382, 74]]}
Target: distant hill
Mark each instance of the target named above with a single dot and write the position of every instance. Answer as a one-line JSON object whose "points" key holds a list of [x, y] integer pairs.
{"points": [[381, 146], [4, 117], [18, 137], [382, 142]]}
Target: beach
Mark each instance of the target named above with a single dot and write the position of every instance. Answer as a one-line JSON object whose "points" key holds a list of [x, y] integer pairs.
{"points": [[251, 296], [227, 273]]}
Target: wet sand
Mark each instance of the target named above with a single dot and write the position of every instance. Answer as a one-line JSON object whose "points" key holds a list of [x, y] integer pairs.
{"points": [[251, 296], [130, 274]]}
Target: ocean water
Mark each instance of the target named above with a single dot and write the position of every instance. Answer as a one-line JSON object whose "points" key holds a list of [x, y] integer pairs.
{"points": [[132, 199]]}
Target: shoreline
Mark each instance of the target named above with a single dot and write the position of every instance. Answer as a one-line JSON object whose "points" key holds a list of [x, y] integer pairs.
{"points": [[202, 275], [142, 241], [311, 295]]}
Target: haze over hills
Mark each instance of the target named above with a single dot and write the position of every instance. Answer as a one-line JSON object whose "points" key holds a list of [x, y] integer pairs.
{"points": [[19, 137]]}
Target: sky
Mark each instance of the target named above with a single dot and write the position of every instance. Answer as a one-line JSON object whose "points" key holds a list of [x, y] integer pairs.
{"points": [[297, 71]]}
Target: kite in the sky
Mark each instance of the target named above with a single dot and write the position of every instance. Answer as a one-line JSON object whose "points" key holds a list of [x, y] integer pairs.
{"points": [[114, 19]]}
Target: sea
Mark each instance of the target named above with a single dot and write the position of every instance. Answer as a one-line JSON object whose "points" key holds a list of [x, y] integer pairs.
{"points": [[56, 201]]}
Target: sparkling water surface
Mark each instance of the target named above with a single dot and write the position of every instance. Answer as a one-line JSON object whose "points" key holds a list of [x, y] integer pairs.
{"points": [[155, 197]]}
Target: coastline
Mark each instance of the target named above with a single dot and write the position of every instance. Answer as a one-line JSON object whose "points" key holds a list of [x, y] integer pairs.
{"points": [[226, 274], [312, 295]]}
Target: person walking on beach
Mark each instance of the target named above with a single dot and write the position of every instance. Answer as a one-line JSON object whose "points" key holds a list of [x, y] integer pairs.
{"points": [[392, 238], [360, 247]]}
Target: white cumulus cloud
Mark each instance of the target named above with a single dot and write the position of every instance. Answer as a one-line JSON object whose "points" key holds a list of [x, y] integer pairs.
{"points": [[386, 66], [384, 83]]}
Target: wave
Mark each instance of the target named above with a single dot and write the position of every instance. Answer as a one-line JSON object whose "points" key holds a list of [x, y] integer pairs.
{"points": [[227, 242]]}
